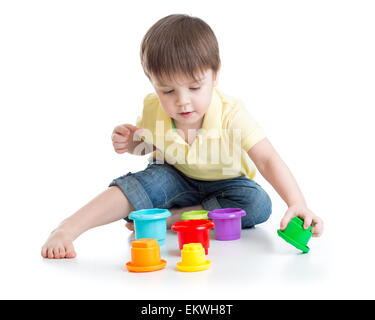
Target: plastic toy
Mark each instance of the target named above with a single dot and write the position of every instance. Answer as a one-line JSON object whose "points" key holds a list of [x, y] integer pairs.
{"points": [[227, 223], [296, 235], [195, 214], [193, 258], [151, 224], [145, 255], [194, 231]]}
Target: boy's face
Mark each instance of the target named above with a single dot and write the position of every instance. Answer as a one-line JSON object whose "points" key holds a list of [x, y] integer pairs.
{"points": [[186, 100]]}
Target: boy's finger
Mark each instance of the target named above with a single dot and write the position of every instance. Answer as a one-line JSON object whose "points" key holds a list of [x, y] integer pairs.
{"points": [[317, 228], [120, 145], [121, 150], [122, 130], [307, 222], [286, 219], [117, 138]]}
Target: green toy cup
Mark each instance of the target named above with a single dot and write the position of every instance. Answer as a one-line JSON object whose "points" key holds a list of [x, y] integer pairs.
{"points": [[194, 215], [296, 235]]}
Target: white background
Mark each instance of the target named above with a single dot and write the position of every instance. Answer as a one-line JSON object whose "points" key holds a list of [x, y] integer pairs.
{"points": [[70, 72]]}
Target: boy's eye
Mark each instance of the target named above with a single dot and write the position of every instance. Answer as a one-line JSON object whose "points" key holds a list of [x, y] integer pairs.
{"points": [[170, 91], [167, 92]]}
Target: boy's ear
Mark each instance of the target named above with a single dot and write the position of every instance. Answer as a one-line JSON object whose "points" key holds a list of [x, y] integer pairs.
{"points": [[216, 77]]}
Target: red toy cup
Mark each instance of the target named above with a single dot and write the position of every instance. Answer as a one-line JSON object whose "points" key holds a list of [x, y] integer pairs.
{"points": [[194, 231]]}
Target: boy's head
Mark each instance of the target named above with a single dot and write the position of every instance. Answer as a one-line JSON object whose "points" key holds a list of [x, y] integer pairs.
{"points": [[180, 56]]}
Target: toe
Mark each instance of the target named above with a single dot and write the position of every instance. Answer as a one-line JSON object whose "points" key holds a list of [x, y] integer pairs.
{"points": [[70, 252], [50, 253], [44, 252], [56, 253], [62, 252]]}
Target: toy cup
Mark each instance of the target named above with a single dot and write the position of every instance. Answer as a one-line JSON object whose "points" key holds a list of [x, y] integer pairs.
{"points": [[296, 235], [193, 258], [194, 215], [145, 256], [151, 224], [227, 223], [194, 231]]}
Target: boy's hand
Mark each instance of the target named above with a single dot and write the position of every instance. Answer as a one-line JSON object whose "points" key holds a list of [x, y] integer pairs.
{"points": [[121, 135], [307, 216]]}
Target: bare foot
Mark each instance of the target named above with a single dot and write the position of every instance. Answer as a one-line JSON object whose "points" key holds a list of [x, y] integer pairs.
{"points": [[130, 226], [59, 245]]}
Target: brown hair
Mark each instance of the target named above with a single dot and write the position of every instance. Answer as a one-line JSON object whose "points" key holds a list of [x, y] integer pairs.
{"points": [[179, 44]]}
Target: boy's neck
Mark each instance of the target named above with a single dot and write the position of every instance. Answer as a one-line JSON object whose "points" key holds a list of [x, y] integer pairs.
{"points": [[196, 126], [189, 133]]}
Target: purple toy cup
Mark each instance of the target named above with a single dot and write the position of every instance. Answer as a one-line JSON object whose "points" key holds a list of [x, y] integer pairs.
{"points": [[227, 223]]}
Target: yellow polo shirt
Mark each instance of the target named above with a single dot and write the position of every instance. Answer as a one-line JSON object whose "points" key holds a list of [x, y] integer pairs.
{"points": [[220, 149]]}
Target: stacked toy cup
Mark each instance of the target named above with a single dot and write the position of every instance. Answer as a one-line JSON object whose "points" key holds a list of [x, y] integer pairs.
{"points": [[194, 231], [151, 224], [227, 223], [193, 258], [145, 255]]}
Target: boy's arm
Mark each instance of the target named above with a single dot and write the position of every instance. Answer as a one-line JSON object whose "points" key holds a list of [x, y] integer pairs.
{"points": [[276, 172]]}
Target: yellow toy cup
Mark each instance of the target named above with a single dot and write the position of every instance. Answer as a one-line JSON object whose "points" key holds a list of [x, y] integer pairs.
{"points": [[193, 258]]}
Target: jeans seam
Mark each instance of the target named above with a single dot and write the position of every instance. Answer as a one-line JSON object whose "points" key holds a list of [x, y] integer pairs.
{"points": [[179, 194], [211, 203]]}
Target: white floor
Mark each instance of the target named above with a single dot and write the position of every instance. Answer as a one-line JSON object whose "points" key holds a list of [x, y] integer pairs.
{"points": [[258, 266]]}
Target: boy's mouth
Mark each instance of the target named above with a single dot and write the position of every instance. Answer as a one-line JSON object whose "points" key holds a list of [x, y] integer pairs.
{"points": [[186, 114]]}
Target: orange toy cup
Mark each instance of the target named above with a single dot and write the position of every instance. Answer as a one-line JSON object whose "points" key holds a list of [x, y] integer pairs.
{"points": [[145, 256]]}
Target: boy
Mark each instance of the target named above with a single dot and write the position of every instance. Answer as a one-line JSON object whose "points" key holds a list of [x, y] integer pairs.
{"points": [[205, 145]]}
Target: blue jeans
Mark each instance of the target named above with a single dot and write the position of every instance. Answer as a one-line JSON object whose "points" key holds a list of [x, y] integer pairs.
{"points": [[163, 186]]}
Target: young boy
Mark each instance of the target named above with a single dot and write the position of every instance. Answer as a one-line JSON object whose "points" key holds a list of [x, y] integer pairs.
{"points": [[205, 145]]}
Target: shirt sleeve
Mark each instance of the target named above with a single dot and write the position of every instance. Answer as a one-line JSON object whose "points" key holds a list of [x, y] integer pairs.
{"points": [[148, 103], [251, 131], [147, 119]]}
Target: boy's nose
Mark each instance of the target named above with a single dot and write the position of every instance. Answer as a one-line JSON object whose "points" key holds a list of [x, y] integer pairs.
{"points": [[182, 100]]}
